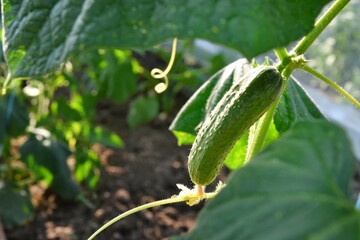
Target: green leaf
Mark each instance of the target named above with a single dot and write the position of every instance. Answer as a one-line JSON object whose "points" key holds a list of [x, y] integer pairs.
{"points": [[87, 167], [13, 116], [102, 136], [84, 104], [184, 138], [117, 80], [142, 110], [297, 188], [1, 50], [192, 114], [15, 205], [62, 108], [47, 158], [202, 102], [42, 34], [294, 106], [237, 155]]}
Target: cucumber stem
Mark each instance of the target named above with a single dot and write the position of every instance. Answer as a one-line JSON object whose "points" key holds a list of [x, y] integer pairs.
{"points": [[135, 210], [257, 137], [286, 67], [259, 130], [332, 84], [319, 27], [281, 53], [191, 197]]}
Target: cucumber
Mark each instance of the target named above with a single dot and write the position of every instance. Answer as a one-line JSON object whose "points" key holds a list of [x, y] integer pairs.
{"points": [[241, 106]]}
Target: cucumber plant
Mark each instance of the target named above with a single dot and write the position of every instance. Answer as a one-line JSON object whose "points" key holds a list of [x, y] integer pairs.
{"points": [[301, 178]]}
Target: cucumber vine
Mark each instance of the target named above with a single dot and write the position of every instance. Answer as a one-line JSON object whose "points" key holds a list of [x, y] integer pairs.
{"points": [[288, 62], [332, 84], [190, 196]]}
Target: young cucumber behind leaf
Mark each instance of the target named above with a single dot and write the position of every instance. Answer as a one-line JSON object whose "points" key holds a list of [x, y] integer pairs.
{"points": [[242, 105]]}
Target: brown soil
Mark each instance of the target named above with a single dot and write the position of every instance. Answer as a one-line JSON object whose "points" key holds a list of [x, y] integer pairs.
{"points": [[145, 170]]}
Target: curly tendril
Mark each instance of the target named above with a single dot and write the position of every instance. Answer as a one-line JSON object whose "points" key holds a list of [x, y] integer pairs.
{"points": [[159, 74]]}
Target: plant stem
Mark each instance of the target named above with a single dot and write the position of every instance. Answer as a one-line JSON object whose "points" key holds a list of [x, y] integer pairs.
{"points": [[284, 57], [281, 53], [257, 137], [332, 84], [259, 131], [137, 209], [171, 200], [286, 67], [320, 25]]}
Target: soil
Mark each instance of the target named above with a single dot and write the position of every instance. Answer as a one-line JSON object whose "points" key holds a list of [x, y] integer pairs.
{"points": [[146, 169]]}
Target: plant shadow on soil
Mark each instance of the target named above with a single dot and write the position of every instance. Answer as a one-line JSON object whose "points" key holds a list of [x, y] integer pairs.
{"points": [[146, 169]]}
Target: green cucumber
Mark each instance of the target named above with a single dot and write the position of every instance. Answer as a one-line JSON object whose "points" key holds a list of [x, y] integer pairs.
{"points": [[241, 106]]}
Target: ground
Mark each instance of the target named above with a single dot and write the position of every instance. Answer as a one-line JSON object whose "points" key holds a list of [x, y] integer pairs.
{"points": [[146, 169]]}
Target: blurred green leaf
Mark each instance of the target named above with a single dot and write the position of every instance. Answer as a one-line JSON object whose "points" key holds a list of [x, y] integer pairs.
{"points": [[47, 158], [36, 47], [294, 106], [14, 117], [63, 109], [217, 62], [84, 104], [118, 80], [2, 59], [142, 110], [15, 205], [87, 167], [296, 188], [102, 136]]}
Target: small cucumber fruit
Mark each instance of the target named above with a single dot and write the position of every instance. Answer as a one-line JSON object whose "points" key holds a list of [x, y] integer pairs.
{"points": [[241, 106]]}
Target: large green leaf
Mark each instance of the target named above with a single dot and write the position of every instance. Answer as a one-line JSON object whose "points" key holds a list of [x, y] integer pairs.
{"points": [[295, 105], [297, 188], [142, 110], [47, 158], [15, 205], [42, 34]]}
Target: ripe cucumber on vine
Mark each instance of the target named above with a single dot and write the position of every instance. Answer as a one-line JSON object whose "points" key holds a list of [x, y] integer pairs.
{"points": [[241, 106], [250, 102]]}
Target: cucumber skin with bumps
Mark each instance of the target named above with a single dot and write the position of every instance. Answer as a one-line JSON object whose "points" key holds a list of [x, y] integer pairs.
{"points": [[242, 105]]}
